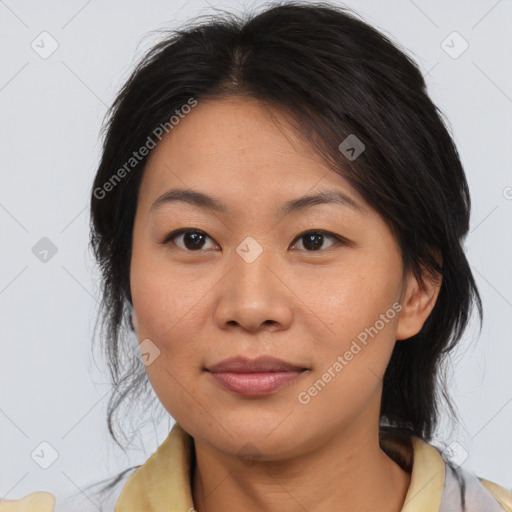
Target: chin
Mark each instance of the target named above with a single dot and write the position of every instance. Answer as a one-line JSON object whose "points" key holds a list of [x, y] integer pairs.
{"points": [[253, 443]]}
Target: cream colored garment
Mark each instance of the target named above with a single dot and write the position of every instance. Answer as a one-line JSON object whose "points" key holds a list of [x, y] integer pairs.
{"points": [[163, 483], [37, 501]]}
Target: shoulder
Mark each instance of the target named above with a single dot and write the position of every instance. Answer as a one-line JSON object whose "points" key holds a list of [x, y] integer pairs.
{"points": [[38, 501], [89, 500], [456, 489], [502, 495], [96, 497], [464, 490]]}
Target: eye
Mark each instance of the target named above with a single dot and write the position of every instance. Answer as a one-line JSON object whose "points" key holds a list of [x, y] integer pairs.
{"points": [[313, 240], [192, 239]]}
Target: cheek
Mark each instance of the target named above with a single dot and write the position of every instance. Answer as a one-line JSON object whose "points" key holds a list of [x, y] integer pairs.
{"points": [[166, 313], [352, 359], [359, 306], [353, 298], [163, 297]]}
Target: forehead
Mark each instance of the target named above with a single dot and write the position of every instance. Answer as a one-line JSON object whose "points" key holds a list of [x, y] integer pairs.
{"points": [[239, 149]]}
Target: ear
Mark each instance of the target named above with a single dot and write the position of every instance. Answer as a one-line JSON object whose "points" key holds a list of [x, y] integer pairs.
{"points": [[419, 298]]}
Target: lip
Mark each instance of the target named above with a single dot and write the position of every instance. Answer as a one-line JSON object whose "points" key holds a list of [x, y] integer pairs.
{"points": [[261, 364], [255, 377]]}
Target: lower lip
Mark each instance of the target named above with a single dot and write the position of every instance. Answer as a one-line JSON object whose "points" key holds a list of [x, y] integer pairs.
{"points": [[255, 384]]}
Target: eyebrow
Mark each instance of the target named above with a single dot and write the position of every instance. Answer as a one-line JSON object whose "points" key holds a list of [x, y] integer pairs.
{"points": [[207, 202]]}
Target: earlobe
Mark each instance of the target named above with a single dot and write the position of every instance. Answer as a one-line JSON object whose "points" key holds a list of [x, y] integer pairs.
{"points": [[419, 301]]}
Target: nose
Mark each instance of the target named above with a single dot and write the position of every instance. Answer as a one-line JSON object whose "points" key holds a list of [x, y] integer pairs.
{"points": [[254, 295]]}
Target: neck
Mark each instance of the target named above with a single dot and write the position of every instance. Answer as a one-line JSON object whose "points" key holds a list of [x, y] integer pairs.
{"points": [[349, 472]]}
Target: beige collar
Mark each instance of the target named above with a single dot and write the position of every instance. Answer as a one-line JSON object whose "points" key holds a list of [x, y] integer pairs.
{"points": [[147, 489]]}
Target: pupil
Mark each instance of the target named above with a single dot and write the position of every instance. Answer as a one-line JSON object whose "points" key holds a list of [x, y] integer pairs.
{"points": [[316, 240], [195, 239]]}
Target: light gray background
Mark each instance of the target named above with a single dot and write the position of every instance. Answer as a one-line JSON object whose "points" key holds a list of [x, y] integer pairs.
{"points": [[51, 111]]}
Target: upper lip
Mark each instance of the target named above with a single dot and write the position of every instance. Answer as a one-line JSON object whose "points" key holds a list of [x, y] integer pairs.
{"points": [[260, 364]]}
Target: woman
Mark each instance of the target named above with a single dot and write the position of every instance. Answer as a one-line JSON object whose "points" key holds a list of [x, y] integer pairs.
{"points": [[279, 214]]}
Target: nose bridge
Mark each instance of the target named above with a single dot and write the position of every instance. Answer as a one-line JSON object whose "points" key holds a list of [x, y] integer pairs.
{"points": [[252, 263], [252, 294]]}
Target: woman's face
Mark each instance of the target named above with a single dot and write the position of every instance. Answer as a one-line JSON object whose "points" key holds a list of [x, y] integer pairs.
{"points": [[251, 284]]}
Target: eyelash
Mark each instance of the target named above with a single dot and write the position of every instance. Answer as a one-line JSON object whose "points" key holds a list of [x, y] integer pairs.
{"points": [[339, 240]]}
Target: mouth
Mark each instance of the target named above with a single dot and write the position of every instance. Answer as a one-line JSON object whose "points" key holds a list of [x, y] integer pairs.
{"points": [[255, 377]]}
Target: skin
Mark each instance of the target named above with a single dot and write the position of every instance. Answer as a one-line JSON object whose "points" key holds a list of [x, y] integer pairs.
{"points": [[306, 306]]}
